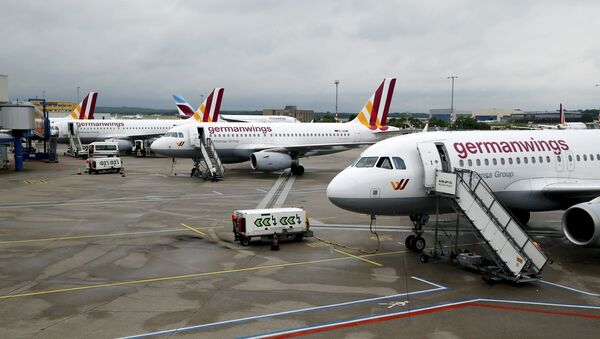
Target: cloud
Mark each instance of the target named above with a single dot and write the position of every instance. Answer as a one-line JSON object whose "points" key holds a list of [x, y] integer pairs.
{"points": [[509, 54]]}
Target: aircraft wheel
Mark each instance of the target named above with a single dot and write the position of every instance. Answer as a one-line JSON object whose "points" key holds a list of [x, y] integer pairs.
{"points": [[409, 242], [245, 241], [419, 244], [297, 170]]}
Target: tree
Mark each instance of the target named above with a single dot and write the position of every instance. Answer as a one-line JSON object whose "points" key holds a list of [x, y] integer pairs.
{"points": [[435, 122], [469, 123], [326, 118]]}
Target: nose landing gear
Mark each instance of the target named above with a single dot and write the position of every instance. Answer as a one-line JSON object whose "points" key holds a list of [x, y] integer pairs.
{"points": [[416, 242]]}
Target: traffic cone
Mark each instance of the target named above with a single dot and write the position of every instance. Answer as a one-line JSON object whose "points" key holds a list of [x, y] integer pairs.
{"points": [[78, 170], [275, 244]]}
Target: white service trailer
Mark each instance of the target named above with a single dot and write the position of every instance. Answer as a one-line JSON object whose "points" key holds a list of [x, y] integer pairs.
{"points": [[287, 223]]}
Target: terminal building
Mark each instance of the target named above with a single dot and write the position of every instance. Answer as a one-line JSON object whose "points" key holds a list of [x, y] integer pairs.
{"points": [[494, 114], [444, 113], [303, 115]]}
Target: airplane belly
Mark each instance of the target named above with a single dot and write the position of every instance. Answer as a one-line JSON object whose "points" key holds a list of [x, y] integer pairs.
{"points": [[392, 206]]}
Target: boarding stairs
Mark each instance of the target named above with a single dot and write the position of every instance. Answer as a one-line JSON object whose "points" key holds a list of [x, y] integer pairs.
{"points": [[76, 148], [206, 156], [516, 256]]}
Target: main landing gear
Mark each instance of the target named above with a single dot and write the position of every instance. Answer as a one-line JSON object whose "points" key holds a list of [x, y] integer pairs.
{"points": [[415, 241], [297, 170]]}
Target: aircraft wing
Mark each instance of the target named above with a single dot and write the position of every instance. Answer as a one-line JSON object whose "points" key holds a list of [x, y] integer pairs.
{"points": [[572, 192], [304, 150]]}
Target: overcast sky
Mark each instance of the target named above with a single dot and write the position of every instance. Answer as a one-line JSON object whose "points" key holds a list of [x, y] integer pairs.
{"points": [[266, 54]]}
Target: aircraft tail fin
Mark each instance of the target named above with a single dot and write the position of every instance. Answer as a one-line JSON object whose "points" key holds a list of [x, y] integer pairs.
{"points": [[85, 109], [375, 112], [184, 109], [562, 116], [210, 108]]}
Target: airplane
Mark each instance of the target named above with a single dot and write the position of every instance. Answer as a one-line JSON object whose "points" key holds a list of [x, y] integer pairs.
{"points": [[185, 111], [125, 131], [539, 170], [278, 146], [563, 124]]}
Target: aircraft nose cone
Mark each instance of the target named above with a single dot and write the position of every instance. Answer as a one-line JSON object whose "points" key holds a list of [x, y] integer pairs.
{"points": [[341, 191], [157, 145]]}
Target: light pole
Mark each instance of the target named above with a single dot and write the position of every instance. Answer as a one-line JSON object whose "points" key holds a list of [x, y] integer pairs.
{"points": [[77, 94], [336, 82], [452, 116], [598, 85]]}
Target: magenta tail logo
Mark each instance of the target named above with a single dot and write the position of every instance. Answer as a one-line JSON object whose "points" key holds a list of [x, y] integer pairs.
{"points": [[399, 185]]}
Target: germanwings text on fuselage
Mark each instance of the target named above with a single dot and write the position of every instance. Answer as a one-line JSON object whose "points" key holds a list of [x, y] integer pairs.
{"points": [[464, 149], [262, 129], [100, 124]]}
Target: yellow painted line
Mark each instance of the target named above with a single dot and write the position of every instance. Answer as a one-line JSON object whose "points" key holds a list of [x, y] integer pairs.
{"points": [[193, 275], [359, 258], [94, 236], [193, 229]]}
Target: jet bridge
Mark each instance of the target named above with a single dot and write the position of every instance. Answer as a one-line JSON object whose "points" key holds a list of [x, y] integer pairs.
{"points": [[205, 156], [514, 254]]}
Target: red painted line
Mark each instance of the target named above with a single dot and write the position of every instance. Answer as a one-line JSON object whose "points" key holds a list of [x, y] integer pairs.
{"points": [[512, 308], [333, 327]]}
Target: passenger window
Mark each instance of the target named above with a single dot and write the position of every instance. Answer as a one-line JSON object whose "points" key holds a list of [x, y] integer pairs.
{"points": [[558, 158], [478, 162], [470, 162], [525, 160], [366, 162], [533, 160], [591, 157], [384, 162], [585, 157], [518, 160], [399, 163], [597, 156], [461, 162], [570, 157], [502, 161], [487, 162], [548, 158], [510, 161], [541, 159], [494, 162]]}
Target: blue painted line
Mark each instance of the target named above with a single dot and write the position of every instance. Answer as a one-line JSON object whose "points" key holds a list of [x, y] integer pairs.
{"points": [[304, 310], [570, 288], [540, 303]]}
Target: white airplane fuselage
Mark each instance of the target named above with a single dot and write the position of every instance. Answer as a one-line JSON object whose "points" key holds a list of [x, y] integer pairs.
{"points": [[524, 168], [126, 129], [236, 142]]}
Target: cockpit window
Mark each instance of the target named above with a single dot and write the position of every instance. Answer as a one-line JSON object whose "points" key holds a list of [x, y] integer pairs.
{"points": [[180, 134], [168, 134], [384, 162], [399, 163], [366, 162]]}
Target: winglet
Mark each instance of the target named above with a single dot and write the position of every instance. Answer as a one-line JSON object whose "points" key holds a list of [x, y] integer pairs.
{"points": [[85, 109], [374, 114]]}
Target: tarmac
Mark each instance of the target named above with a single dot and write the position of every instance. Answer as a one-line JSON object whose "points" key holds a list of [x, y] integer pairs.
{"points": [[152, 254]]}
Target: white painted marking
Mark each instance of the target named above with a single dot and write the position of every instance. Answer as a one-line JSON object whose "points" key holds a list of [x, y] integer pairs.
{"points": [[286, 190], [219, 193], [570, 288]]}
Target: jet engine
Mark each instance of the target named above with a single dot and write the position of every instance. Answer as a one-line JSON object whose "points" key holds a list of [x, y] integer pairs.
{"points": [[124, 145], [271, 161], [581, 223]]}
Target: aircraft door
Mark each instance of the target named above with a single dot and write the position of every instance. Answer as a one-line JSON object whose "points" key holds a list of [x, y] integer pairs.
{"points": [[71, 128], [194, 136], [430, 157]]}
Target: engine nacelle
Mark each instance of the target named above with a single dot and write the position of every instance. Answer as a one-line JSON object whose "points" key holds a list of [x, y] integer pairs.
{"points": [[124, 145], [271, 161], [581, 223]]}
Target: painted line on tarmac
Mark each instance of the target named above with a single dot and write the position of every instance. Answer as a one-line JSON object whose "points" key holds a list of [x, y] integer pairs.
{"points": [[187, 276], [331, 326], [569, 288], [285, 192], [303, 310], [359, 258], [193, 229], [267, 199], [89, 236]]}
